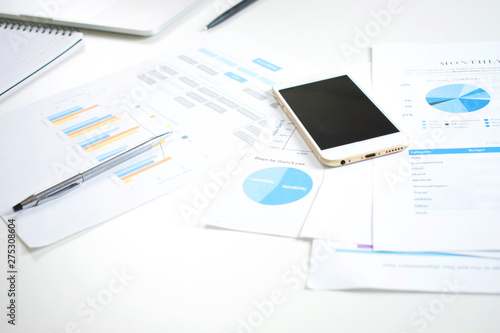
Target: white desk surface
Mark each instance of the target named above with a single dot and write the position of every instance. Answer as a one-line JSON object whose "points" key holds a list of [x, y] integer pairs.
{"points": [[186, 278]]}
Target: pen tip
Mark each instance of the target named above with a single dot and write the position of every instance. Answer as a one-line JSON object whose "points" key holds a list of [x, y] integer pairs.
{"points": [[165, 134], [17, 207]]}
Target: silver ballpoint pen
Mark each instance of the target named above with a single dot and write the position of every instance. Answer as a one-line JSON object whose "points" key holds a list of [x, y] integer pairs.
{"points": [[75, 181]]}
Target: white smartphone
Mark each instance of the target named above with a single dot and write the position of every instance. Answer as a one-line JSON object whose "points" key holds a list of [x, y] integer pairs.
{"points": [[340, 123]]}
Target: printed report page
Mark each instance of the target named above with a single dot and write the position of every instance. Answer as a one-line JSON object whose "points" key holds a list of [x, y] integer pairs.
{"points": [[445, 188]]}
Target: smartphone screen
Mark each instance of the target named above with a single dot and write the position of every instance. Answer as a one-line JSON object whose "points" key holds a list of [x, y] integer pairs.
{"points": [[336, 112]]}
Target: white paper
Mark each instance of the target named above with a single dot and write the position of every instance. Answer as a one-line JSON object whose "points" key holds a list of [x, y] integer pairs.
{"points": [[342, 210], [213, 99], [28, 50], [443, 193], [341, 267], [481, 254], [272, 189]]}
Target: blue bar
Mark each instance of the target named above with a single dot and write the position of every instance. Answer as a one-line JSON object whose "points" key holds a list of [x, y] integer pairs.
{"points": [[266, 64], [207, 52], [477, 150], [96, 138], [107, 155], [64, 113], [235, 77], [226, 61], [134, 169], [135, 166], [83, 124]]}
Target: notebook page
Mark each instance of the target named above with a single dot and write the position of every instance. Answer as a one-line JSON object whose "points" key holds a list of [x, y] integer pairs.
{"points": [[28, 49]]}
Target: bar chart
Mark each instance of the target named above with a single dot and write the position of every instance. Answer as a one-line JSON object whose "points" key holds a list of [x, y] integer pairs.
{"points": [[127, 174], [104, 132]]}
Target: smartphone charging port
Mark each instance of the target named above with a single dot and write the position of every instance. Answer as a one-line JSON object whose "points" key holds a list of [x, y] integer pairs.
{"points": [[370, 155]]}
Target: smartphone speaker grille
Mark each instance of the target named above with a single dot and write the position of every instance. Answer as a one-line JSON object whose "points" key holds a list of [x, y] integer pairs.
{"points": [[393, 150]]}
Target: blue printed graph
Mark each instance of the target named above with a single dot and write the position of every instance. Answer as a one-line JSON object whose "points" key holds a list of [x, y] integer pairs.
{"points": [[458, 98], [277, 186]]}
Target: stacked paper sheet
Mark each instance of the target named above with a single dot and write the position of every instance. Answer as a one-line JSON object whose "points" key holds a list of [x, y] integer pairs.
{"points": [[425, 219]]}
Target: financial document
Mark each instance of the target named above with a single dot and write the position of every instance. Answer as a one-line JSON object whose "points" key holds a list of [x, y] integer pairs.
{"points": [[342, 266], [335, 203], [214, 96], [443, 193], [342, 210], [273, 187]]}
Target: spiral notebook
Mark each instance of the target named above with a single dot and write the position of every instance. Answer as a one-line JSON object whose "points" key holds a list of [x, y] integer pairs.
{"points": [[28, 49], [143, 18]]}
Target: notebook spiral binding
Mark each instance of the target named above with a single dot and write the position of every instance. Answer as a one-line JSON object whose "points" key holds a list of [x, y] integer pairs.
{"points": [[35, 27]]}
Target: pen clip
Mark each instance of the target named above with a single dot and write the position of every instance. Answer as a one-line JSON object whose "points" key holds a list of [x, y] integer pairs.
{"points": [[59, 193]]}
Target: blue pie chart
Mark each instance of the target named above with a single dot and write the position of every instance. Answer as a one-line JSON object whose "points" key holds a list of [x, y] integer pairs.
{"points": [[277, 185], [458, 98]]}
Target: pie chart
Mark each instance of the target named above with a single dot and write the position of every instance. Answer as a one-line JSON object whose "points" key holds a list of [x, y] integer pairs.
{"points": [[458, 98], [277, 185]]}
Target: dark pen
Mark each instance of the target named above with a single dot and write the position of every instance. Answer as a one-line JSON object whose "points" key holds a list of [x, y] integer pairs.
{"points": [[74, 182], [228, 13]]}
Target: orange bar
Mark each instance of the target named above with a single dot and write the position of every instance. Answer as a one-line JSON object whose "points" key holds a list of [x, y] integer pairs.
{"points": [[111, 138], [68, 119], [146, 168], [60, 120], [94, 127], [90, 127], [114, 140]]}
